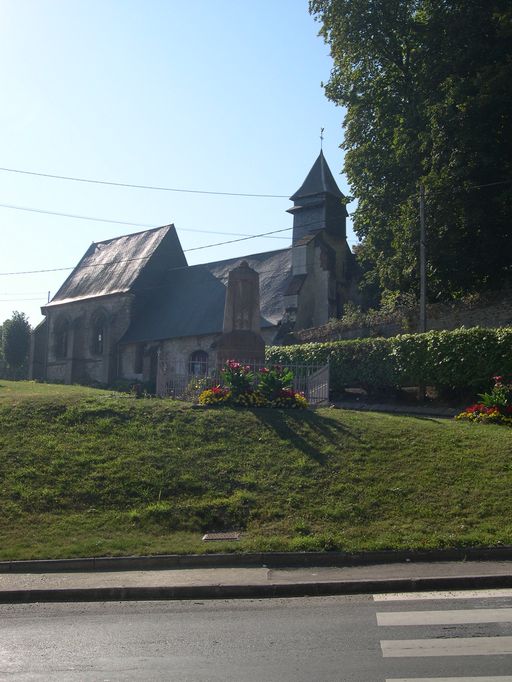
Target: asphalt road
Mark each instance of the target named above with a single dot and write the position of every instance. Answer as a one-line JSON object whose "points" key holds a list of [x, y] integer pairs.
{"points": [[347, 639]]}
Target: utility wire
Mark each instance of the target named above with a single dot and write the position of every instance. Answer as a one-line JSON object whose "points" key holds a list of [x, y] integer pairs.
{"points": [[117, 222], [128, 260], [196, 248], [151, 187], [19, 300]]}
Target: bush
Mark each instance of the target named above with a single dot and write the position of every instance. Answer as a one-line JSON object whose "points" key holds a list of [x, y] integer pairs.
{"points": [[461, 360]]}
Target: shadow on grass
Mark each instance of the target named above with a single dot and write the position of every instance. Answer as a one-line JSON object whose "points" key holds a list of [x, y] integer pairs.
{"points": [[288, 424], [424, 418]]}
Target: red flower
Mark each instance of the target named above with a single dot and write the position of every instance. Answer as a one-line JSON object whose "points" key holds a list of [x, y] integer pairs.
{"points": [[477, 407]]}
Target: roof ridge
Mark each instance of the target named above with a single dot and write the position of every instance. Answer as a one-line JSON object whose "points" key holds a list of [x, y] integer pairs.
{"points": [[135, 234]]}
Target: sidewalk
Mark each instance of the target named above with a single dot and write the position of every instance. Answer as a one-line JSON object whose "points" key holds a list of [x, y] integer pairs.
{"points": [[252, 582]]}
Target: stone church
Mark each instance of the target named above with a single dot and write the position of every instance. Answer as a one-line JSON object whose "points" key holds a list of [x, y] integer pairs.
{"points": [[131, 298]]}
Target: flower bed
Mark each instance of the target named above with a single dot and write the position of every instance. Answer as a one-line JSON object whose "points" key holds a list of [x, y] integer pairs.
{"points": [[243, 387], [494, 407]]}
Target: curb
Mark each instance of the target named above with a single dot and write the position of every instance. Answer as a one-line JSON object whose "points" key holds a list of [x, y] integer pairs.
{"points": [[256, 591], [268, 559]]}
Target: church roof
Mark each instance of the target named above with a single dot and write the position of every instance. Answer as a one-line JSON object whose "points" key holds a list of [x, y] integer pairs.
{"points": [[318, 181], [112, 266], [192, 303]]}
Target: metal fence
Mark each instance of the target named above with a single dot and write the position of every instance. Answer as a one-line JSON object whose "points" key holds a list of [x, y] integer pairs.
{"points": [[185, 381]]}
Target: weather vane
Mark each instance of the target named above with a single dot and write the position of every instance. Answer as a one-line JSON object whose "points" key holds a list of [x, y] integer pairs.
{"points": [[321, 137]]}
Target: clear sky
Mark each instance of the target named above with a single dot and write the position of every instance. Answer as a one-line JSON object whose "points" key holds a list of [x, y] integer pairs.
{"points": [[219, 95]]}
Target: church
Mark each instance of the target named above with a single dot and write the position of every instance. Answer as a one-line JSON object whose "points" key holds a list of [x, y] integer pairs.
{"points": [[131, 298]]}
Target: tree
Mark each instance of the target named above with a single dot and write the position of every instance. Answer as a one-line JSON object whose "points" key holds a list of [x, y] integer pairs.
{"points": [[426, 86], [16, 340]]}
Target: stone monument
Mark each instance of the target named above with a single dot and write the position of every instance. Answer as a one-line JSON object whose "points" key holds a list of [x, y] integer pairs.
{"points": [[241, 338]]}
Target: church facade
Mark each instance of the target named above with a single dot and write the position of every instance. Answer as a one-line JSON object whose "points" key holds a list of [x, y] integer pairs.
{"points": [[133, 298]]}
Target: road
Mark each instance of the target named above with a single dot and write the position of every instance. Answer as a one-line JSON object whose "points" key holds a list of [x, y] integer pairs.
{"points": [[349, 639]]}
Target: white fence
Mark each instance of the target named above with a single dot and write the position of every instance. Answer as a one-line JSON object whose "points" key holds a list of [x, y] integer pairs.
{"points": [[185, 381]]}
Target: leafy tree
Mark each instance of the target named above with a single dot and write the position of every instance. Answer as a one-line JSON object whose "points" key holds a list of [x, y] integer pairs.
{"points": [[16, 340], [426, 86]]}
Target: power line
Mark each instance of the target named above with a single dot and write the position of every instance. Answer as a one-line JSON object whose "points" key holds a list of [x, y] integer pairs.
{"points": [[128, 260], [242, 239], [150, 187], [464, 189], [117, 222], [21, 293], [20, 300]]}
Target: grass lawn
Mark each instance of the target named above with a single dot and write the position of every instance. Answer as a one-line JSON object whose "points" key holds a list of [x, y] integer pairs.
{"points": [[91, 473]]}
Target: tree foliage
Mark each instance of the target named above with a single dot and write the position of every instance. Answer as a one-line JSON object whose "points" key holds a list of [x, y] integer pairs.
{"points": [[16, 340], [426, 86]]}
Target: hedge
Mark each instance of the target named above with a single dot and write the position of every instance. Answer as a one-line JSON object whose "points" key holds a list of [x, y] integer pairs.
{"points": [[464, 359]]}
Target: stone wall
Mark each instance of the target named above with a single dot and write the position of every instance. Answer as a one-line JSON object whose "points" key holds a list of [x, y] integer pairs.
{"points": [[489, 310], [79, 363]]}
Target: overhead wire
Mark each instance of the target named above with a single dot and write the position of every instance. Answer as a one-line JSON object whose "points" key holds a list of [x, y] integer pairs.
{"points": [[148, 187], [127, 260], [127, 223]]}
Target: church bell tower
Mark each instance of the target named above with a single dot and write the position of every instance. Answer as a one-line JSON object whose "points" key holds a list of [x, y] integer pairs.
{"points": [[321, 258], [319, 204]]}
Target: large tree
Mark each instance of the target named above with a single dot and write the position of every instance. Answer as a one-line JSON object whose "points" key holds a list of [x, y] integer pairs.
{"points": [[427, 89], [16, 340]]}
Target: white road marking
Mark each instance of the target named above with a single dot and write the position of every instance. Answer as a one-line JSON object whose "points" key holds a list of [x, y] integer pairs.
{"points": [[453, 617], [455, 594], [498, 678], [453, 646]]}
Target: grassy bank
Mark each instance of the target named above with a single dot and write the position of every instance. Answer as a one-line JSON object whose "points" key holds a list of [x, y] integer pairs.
{"points": [[86, 472]]}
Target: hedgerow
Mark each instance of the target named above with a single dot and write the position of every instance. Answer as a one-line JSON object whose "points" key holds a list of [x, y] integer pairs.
{"points": [[464, 359]]}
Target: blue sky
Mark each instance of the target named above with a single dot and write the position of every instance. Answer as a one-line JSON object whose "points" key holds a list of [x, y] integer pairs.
{"points": [[223, 96]]}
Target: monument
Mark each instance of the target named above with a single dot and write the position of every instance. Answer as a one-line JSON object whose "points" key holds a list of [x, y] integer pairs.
{"points": [[241, 338]]}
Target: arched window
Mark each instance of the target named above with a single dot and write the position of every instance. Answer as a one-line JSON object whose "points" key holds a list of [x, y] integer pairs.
{"points": [[98, 334], [61, 337], [198, 363]]}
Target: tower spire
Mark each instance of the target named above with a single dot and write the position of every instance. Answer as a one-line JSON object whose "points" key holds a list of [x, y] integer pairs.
{"points": [[318, 203]]}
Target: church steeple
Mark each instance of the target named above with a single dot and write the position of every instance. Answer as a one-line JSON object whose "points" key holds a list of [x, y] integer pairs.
{"points": [[318, 204]]}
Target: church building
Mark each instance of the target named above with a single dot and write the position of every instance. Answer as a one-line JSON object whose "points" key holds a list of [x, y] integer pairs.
{"points": [[134, 297]]}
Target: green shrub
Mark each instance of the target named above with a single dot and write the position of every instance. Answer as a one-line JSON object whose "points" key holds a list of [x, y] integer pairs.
{"points": [[464, 359]]}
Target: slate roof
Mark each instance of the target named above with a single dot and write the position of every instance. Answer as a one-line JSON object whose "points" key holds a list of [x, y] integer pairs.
{"points": [[112, 266], [318, 181], [192, 303]]}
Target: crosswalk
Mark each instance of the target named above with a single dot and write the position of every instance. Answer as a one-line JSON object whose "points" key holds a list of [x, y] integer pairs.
{"points": [[487, 616]]}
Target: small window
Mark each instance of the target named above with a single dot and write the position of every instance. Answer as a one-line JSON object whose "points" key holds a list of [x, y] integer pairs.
{"points": [[198, 363], [138, 364], [99, 326], [61, 339], [98, 341]]}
